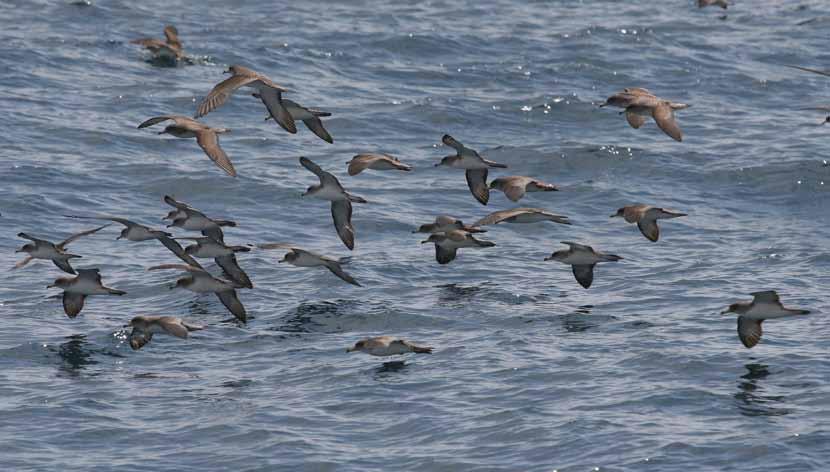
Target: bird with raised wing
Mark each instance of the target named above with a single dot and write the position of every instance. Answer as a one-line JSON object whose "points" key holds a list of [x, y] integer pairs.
{"points": [[515, 186], [206, 137], [76, 289], [475, 166], [522, 215], [42, 249], [200, 281], [144, 327], [646, 217], [444, 224], [383, 346], [330, 190], [267, 90], [302, 258], [764, 306], [447, 244], [186, 217], [582, 258], [639, 104], [375, 161], [169, 49], [309, 116], [223, 255], [136, 232]]}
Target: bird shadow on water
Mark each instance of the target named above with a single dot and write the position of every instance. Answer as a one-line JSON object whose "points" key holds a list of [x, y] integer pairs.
{"points": [[751, 401], [577, 321], [318, 317], [387, 370], [456, 295]]}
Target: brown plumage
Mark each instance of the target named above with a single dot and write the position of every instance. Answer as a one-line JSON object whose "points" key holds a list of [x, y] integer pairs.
{"points": [[206, 137]]}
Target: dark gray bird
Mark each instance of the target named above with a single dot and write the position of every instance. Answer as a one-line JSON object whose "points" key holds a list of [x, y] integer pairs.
{"points": [[42, 249], [76, 289], [522, 215], [341, 201], [302, 258], [309, 116], [582, 258], [200, 281], [186, 217], [646, 218], [224, 256], [135, 232], [447, 244], [445, 224], [475, 166]]}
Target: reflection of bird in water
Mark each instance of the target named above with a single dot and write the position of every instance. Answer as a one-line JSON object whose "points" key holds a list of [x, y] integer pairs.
{"points": [[752, 402], [73, 354], [576, 321]]}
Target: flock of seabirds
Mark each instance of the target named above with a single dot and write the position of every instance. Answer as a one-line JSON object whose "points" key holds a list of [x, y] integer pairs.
{"points": [[447, 233]]}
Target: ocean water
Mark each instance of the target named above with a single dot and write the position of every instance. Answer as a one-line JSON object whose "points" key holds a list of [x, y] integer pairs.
{"points": [[531, 372]]}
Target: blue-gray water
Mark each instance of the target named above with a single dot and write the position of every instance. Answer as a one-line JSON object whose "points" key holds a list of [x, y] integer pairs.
{"points": [[531, 372]]}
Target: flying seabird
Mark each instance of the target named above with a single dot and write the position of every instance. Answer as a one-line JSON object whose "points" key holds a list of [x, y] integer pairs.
{"points": [[522, 215], [186, 217], [76, 289], [42, 249], [206, 137], [583, 259], [515, 186], [375, 161], [639, 103], [475, 166], [309, 116], [447, 244], [444, 224], [269, 92], [764, 306], [144, 327], [646, 218], [302, 258], [224, 256], [169, 49], [200, 281], [341, 206]]}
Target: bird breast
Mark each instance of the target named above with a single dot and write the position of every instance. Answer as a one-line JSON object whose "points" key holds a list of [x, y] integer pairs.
{"points": [[208, 250]]}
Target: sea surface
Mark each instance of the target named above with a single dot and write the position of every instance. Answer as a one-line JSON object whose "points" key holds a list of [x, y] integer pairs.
{"points": [[531, 372]]}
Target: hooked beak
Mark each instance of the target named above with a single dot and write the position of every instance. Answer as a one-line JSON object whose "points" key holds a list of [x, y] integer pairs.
{"points": [[614, 215], [437, 165], [350, 349], [161, 132], [52, 286], [119, 237], [424, 242], [19, 250], [173, 287], [226, 71], [725, 312]]}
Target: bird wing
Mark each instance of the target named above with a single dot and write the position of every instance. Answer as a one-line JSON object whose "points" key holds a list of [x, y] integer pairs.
{"points": [[232, 271], [63, 264], [341, 212], [578, 246], [337, 270], [278, 246], [664, 116], [272, 99], [584, 274], [649, 229], [177, 249], [444, 255], [75, 236], [768, 296], [173, 326], [73, 303], [209, 142], [361, 162], [326, 178], [182, 267], [498, 216], [814, 71], [514, 189], [477, 182], [26, 260], [232, 303], [451, 142], [177, 204], [635, 120], [122, 221], [221, 92], [315, 124], [749, 331], [32, 238], [156, 120]]}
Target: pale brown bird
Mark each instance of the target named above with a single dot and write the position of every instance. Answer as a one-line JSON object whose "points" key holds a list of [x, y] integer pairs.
{"points": [[646, 217], [522, 215], [268, 91], [302, 258], [200, 281], [639, 103], [475, 166], [169, 48], [764, 306], [515, 186], [206, 137], [447, 244], [144, 327], [373, 161], [387, 346]]}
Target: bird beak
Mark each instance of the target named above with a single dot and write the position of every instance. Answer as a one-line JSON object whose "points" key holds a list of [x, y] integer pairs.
{"points": [[437, 165], [724, 312], [614, 215], [118, 238], [603, 104], [350, 349], [52, 286], [227, 71], [19, 250], [160, 132], [424, 242], [549, 258], [173, 287]]}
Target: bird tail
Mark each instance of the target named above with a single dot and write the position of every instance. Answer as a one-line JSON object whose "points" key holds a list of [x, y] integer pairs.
{"points": [[356, 199], [229, 223], [610, 258], [421, 350], [113, 291], [495, 164]]}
